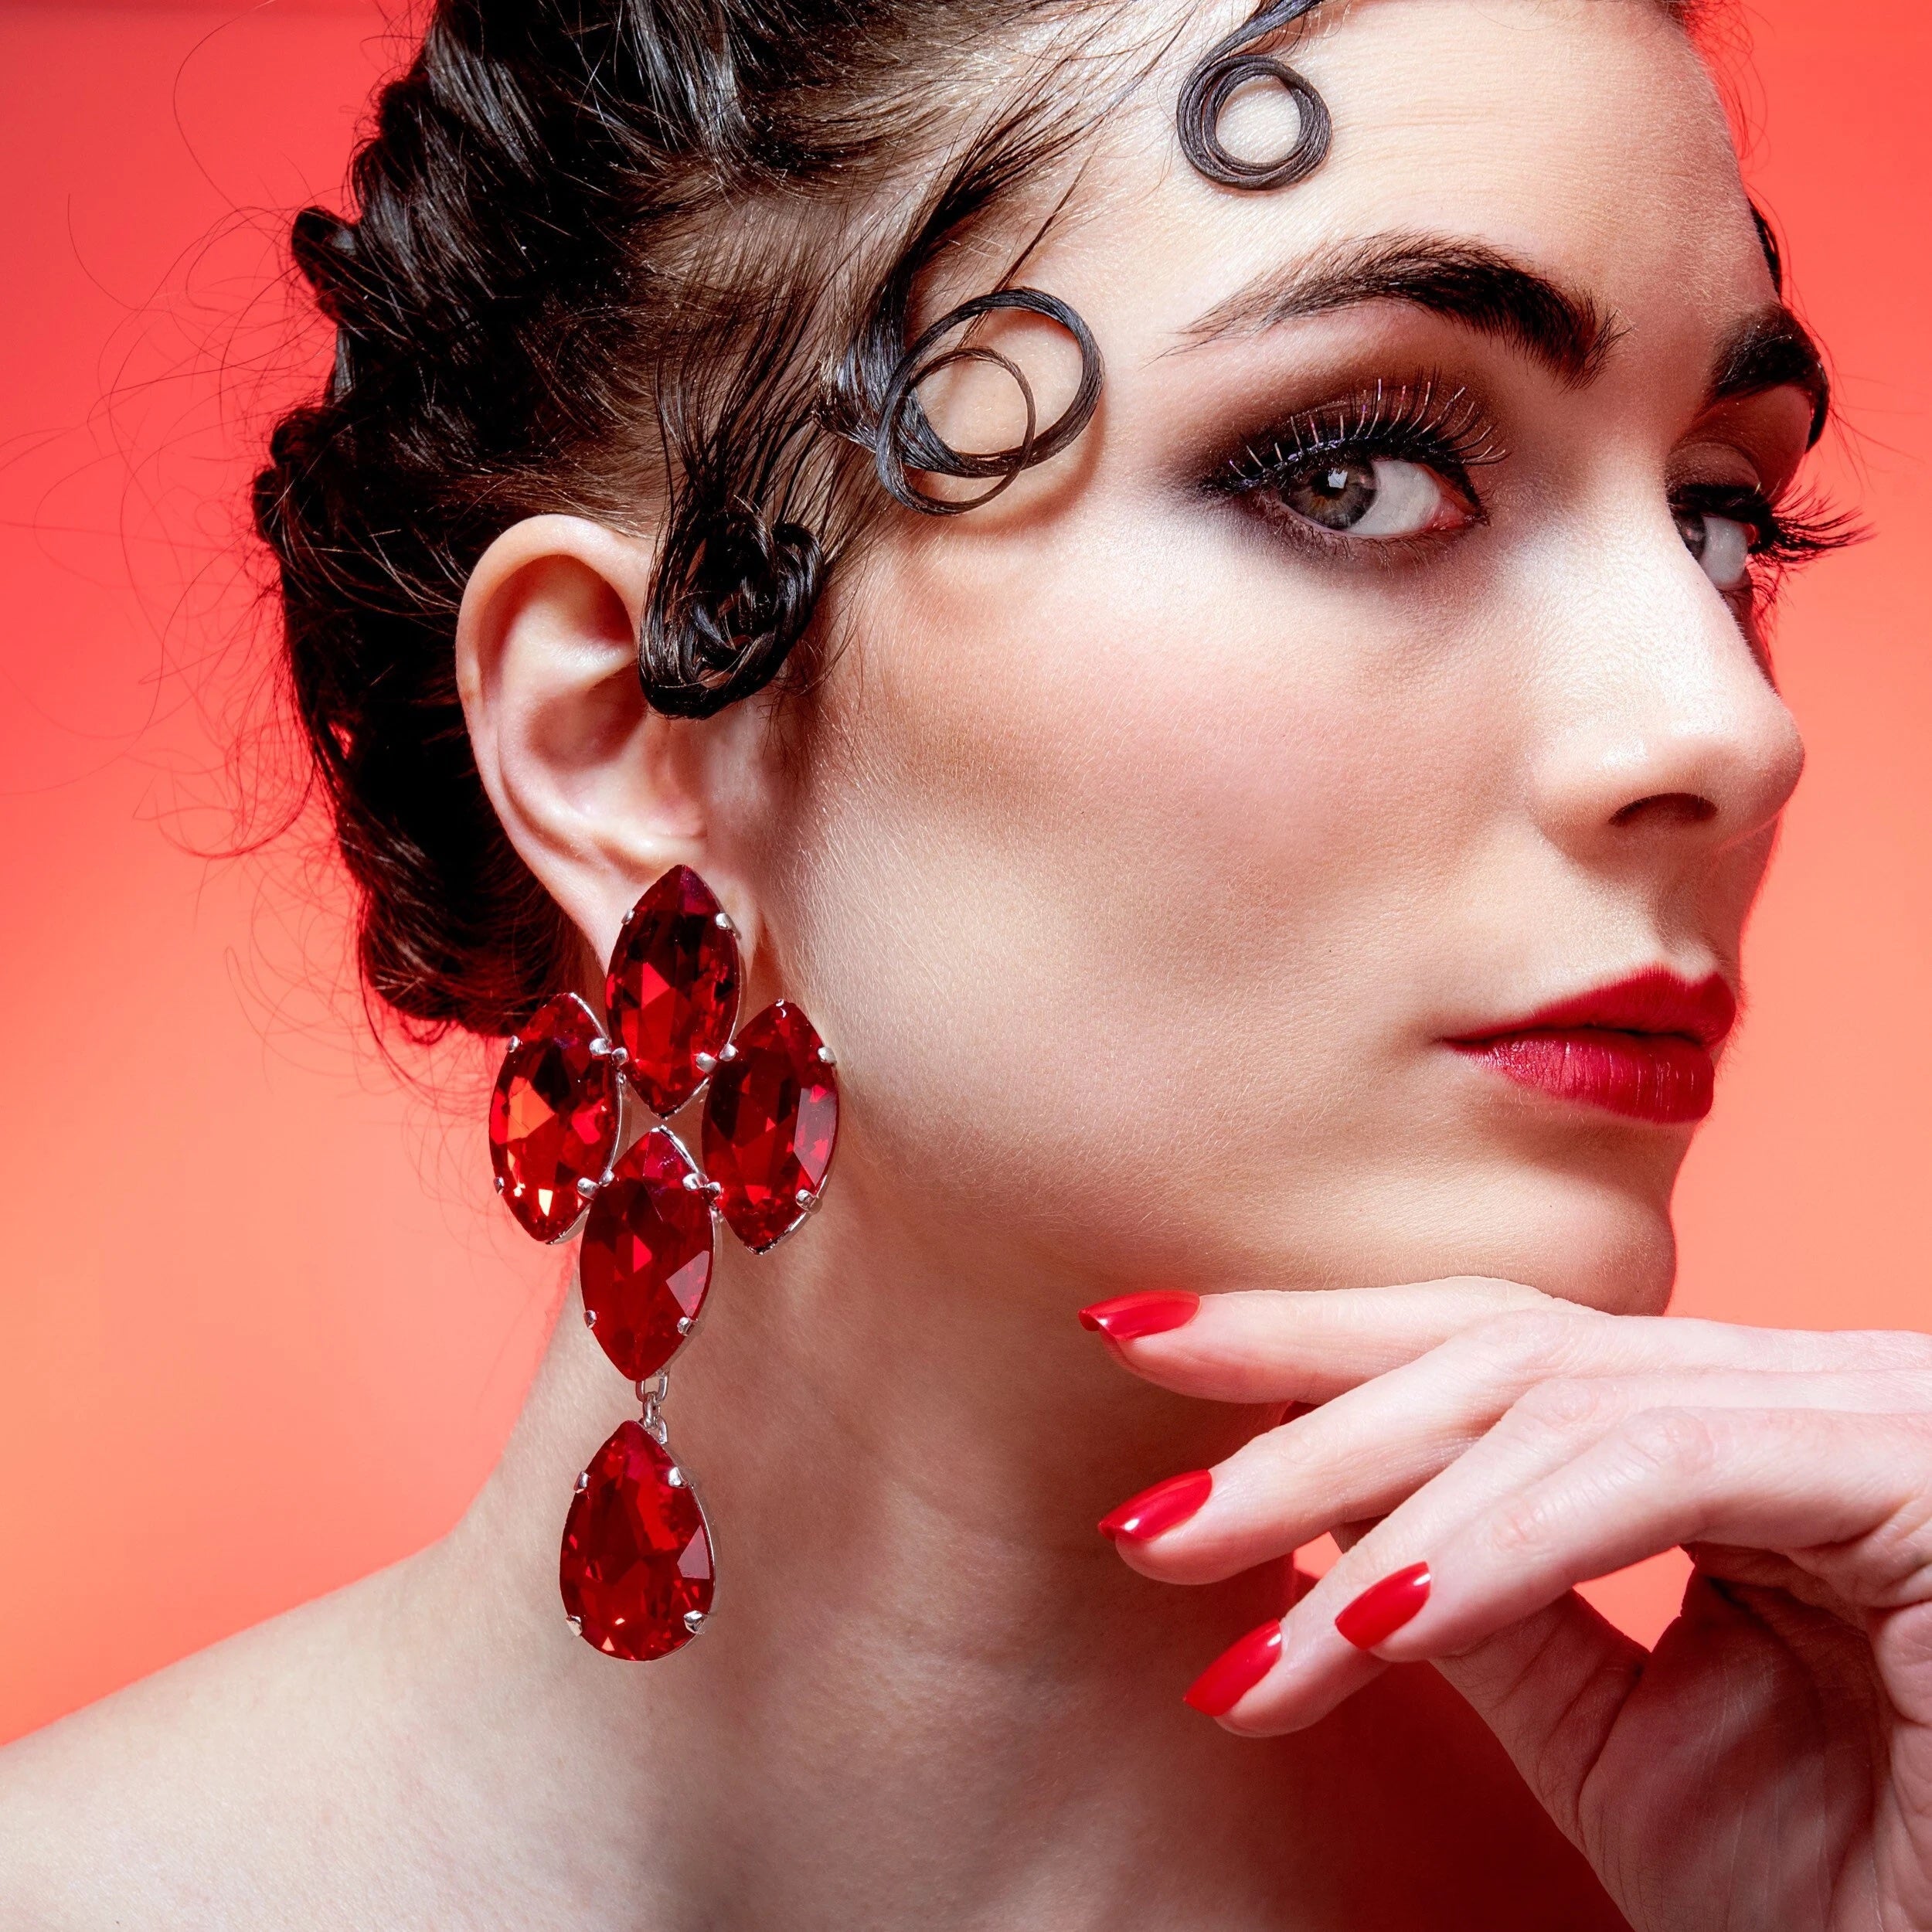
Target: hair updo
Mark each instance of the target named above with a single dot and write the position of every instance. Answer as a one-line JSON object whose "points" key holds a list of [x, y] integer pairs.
{"points": [[617, 257]]}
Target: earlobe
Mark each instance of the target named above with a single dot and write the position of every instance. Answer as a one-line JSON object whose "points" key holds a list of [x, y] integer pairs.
{"points": [[598, 794]]}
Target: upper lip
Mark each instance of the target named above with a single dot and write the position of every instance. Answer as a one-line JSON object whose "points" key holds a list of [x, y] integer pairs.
{"points": [[1657, 1001]]}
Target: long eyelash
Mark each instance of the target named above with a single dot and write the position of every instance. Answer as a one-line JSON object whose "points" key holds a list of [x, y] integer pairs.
{"points": [[1428, 421], [1785, 533], [1792, 533]]}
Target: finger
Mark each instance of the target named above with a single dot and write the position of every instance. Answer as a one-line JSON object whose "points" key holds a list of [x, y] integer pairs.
{"points": [[1846, 1492], [1275, 1345], [1365, 1453], [1551, 1689]]}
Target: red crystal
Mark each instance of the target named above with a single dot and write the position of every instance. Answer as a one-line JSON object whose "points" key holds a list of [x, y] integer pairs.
{"points": [[646, 1260], [637, 1556], [672, 989], [554, 1117], [770, 1120]]}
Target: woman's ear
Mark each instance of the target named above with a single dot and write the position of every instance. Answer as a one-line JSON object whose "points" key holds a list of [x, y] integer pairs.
{"points": [[598, 793]]}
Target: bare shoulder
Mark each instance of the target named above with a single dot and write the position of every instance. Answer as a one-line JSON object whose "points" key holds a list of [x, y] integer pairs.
{"points": [[215, 1794]]}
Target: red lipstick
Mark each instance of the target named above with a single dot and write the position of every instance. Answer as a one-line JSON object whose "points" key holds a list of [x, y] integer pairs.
{"points": [[1642, 1048]]}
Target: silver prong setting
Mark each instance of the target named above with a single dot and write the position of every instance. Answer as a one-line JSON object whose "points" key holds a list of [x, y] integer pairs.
{"points": [[694, 1621], [587, 1188], [705, 1062], [577, 1625], [583, 1481], [826, 1054]]}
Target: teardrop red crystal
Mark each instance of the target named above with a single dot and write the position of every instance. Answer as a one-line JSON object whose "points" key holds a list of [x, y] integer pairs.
{"points": [[636, 1563], [646, 1260], [554, 1117], [672, 989], [770, 1122]]}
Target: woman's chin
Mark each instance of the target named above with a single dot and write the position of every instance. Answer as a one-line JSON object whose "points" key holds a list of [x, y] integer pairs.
{"points": [[1602, 1239], [1592, 1243]]}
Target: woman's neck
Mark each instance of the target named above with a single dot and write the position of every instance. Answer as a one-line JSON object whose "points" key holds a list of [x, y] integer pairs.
{"points": [[927, 1683]]}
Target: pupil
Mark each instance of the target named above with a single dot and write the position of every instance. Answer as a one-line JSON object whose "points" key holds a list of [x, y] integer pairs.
{"points": [[1335, 492]]}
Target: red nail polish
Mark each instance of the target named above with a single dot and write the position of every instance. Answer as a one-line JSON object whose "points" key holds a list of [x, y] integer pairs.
{"points": [[1128, 1317], [1383, 1608], [1157, 1510], [1236, 1671]]}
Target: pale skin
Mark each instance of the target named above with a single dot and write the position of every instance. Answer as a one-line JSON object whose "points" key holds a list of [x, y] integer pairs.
{"points": [[1137, 858]]}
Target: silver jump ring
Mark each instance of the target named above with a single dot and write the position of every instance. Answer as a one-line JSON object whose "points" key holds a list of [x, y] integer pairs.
{"points": [[650, 1394]]}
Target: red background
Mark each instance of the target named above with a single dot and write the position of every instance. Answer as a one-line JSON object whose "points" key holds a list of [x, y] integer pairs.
{"points": [[260, 1331]]}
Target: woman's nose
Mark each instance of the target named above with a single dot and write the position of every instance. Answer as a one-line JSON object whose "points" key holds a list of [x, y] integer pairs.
{"points": [[1665, 728]]}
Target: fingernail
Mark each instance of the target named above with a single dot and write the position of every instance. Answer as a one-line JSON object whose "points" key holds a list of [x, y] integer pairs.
{"points": [[1236, 1671], [1156, 1510], [1383, 1608], [1128, 1317]]}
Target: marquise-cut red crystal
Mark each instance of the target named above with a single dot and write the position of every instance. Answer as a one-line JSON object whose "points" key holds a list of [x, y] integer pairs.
{"points": [[646, 1259], [770, 1122], [672, 989], [636, 1563], [554, 1117]]}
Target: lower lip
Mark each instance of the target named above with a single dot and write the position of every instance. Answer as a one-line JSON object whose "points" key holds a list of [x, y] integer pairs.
{"points": [[1659, 1077]]}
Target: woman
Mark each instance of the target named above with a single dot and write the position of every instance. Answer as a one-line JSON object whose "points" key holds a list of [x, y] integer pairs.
{"points": [[1296, 839]]}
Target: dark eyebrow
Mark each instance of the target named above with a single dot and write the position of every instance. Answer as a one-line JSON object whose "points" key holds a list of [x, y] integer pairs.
{"points": [[1464, 280], [1771, 350]]}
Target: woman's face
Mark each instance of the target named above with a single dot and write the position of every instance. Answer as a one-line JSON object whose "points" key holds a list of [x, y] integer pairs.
{"points": [[1352, 689]]}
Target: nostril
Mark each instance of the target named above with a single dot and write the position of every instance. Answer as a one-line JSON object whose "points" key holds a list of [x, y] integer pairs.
{"points": [[1667, 809]]}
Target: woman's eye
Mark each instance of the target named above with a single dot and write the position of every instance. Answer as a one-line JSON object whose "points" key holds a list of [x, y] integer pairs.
{"points": [[1721, 545], [1373, 496]]}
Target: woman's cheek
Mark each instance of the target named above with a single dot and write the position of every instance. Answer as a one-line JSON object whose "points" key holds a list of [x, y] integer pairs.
{"points": [[1079, 881]]}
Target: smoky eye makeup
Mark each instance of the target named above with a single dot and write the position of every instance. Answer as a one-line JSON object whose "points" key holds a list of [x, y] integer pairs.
{"points": [[1387, 470], [1784, 528], [1744, 512], [1382, 466]]}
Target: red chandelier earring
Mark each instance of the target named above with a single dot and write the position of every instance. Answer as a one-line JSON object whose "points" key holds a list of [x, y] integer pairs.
{"points": [[637, 1569]]}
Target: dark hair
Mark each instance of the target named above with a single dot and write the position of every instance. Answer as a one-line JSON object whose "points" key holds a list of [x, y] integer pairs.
{"points": [[615, 254], [606, 256]]}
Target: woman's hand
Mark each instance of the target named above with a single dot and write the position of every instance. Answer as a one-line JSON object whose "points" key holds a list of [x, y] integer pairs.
{"points": [[1769, 1765]]}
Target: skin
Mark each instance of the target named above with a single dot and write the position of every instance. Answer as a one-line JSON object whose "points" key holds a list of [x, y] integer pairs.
{"points": [[1137, 861], [1771, 1763]]}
